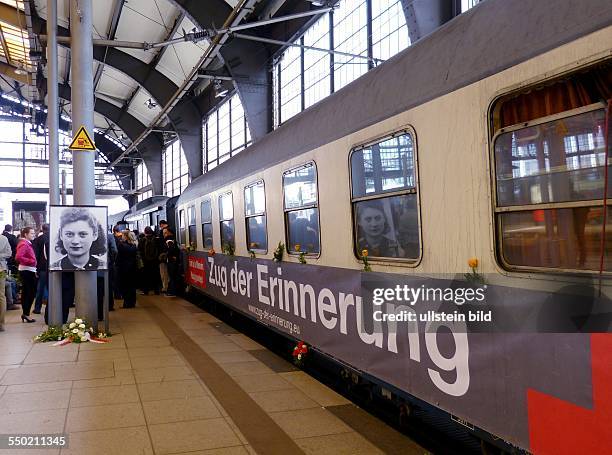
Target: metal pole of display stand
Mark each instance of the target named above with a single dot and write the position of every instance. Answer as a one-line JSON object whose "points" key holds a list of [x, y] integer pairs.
{"points": [[83, 161], [54, 302], [64, 189], [106, 302]]}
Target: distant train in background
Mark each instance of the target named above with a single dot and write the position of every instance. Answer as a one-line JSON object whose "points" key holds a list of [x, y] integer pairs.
{"points": [[32, 214], [148, 212]]}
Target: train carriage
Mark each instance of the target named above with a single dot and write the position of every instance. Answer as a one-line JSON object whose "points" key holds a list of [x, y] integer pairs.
{"points": [[456, 148]]}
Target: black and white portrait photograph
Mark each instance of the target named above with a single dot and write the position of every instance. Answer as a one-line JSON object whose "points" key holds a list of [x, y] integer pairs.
{"points": [[388, 227], [78, 239]]}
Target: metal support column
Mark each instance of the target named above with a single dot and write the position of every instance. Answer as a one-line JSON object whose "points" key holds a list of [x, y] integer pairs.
{"points": [[54, 311], [83, 162]]}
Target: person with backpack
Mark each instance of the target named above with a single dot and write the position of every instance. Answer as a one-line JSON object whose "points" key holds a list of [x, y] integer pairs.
{"points": [[12, 238], [149, 251], [5, 253]]}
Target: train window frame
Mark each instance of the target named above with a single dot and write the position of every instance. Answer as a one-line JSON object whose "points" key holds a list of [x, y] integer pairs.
{"points": [[222, 220], [498, 209], [404, 262], [253, 215], [191, 216], [182, 226], [316, 206], [209, 223]]}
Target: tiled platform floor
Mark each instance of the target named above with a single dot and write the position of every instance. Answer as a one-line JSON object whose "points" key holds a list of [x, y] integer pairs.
{"points": [[139, 394]]}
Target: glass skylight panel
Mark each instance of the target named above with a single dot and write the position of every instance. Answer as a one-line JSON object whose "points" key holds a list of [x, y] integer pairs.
{"points": [[14, 3], [175, 170], [317, 63], [389, 29], [467, 4], [17, 43], [224, 133], [301, 77], [350, 35], [290, 83]]}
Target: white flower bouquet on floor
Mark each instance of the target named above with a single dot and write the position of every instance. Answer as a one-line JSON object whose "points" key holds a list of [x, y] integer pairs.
{"points": [[77, 331]]}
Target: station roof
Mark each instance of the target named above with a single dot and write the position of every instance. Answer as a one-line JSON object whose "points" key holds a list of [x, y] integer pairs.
{"points": [[132, 86]]}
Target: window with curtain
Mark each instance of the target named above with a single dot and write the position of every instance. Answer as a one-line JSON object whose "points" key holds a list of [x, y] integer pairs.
{"points": [[550, 166], [384, 199]]}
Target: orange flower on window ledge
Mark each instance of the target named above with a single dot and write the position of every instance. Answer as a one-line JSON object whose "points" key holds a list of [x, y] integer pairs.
{"points": [[474, 276]]}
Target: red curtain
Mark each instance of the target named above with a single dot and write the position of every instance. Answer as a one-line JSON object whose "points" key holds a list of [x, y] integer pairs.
{"points": [[562, 95]]}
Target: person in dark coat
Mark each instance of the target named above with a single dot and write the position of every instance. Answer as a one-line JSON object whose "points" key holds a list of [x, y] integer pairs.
{"points": [[41, 250], [111, 247], [12, 238], [163, 263], [149, 252], [127, 267], [173, 257]]}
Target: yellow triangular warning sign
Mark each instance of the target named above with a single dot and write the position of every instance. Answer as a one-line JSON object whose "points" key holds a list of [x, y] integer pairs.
{"points": [[82, 141]]}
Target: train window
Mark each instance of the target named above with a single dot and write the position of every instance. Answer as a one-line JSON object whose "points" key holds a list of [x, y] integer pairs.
{"points": [[384, 198], [207, 227], [193, 237], [301, 209], [255, 212], [182, 233], [550, 183], [226, 217]]}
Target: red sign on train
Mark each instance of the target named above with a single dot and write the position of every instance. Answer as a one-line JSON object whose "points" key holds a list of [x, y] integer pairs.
{"points": [[196, 272]]}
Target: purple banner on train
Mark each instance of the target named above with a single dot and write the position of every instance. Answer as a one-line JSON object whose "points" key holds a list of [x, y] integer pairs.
{"points": [[481, 377]]}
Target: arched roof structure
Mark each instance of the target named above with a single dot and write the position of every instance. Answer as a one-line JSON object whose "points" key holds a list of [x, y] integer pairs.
{"points": [[134, 87]]}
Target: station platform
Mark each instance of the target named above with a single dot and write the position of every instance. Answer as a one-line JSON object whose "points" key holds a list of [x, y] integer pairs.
{"points": [[175, 380]]}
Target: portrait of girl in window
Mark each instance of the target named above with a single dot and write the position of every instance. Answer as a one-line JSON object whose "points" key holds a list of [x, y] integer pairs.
{"points": [[375, 231]]}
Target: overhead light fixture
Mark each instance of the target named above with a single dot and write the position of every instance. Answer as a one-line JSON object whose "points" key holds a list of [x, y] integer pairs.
{"points": [[321, 3], [20, 69], [220, 92], [150, 103]]}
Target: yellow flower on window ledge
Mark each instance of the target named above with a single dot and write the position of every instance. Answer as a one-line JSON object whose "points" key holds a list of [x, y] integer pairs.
{"points": [[364, 258], [301, 254], [474, 277]]}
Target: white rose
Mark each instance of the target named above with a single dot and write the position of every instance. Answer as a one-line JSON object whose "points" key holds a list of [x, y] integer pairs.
{"points": [[72, 324], [81, 326], [78, 321], [83, 339], [81, 333], [75, 330]]}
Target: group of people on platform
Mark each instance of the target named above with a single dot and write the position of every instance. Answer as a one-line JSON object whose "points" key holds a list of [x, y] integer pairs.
{"points": [[150, 261], [154, 258]]}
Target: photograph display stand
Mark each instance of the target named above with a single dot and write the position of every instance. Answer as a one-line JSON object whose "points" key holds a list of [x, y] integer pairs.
{"points": [[78, 238]]}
